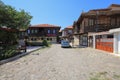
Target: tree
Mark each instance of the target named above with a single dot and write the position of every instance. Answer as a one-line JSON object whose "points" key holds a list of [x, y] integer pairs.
{"points": [[23, 19], [13, 19], [2, 13]]}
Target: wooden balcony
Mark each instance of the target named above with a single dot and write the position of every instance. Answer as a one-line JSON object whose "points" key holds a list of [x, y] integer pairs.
{"points": [[99, 28], [37, 34]]}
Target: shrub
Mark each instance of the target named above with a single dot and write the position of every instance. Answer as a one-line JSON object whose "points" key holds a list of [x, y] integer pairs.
{"points": [[45, 43], [8, 52]]}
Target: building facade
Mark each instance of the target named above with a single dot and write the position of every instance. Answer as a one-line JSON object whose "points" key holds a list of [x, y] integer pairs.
{"points": [[116, 40], [67, 33], [43, 31], [97, 20], [76, 35]]}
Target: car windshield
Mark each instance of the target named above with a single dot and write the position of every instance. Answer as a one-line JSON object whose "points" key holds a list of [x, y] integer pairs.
{"points": [[65, 42]]}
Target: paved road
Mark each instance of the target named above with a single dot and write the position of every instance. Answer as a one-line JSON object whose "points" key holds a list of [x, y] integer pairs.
{"points": [[58, 63]]}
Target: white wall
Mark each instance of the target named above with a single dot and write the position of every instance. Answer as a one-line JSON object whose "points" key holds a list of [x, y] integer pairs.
{"points": [[116, 33], [115, 43], [76, 40], [119, 43], [63, 33]]}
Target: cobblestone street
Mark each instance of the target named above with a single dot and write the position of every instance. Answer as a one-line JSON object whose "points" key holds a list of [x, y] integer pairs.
{"points": [[56, 63]]}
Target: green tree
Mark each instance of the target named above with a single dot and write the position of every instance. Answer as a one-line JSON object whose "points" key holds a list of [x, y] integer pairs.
{"points": [[45, 43], [12, 18]]}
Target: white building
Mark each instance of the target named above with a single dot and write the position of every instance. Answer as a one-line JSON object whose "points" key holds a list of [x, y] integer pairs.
{"points": [[116, 46]]}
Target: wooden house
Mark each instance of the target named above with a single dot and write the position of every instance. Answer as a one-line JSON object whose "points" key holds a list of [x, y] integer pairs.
{"points": [[67, 33], [97, 21], [43, 31]]}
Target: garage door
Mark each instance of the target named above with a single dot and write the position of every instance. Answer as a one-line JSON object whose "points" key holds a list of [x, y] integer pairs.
{"points": [[105, 44]]}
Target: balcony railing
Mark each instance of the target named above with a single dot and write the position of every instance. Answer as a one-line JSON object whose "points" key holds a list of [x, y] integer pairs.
{"points": [[99, 28]]}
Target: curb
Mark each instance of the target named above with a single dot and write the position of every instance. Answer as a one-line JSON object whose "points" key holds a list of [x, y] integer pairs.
{"points": [[17, 56]]}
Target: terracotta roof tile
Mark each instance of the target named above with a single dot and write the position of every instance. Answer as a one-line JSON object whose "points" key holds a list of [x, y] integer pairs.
{"points": [[69, 27], [60, 30], [44, 25]]}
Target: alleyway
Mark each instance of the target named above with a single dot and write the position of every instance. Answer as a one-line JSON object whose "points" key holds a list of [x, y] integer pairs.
{"points": [[58, 63]]}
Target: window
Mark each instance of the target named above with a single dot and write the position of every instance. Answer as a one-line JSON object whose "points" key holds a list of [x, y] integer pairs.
{"points": [[110, 36], [42, 38], [35, 39], [70, 31], [54, 31], [36, 31], [32, 31], [48, 31], [31, 39], [113, 21], [118, 21], [28, 31], [51, 39], [91, 22], [47, 38]]}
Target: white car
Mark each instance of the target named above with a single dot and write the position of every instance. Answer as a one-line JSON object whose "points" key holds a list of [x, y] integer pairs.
{"points": [[65, 43]]}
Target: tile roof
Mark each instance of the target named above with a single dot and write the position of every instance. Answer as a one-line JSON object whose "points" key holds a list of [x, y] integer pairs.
{"points": [[105, 9], [115, 5], [45, 25], [69, 27], [8, 29], [60, 30]]}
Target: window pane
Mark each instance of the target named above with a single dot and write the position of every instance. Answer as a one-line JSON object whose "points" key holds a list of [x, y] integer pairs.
{"points": [[48, 31], [36, 31], [54, 31], [28, 31]]}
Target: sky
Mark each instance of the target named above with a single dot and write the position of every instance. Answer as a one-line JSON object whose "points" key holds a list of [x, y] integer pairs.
{"points": [[58, 12]]}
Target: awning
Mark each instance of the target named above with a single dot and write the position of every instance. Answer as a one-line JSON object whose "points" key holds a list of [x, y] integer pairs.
{"points": [[99, 33], [114, 30]]}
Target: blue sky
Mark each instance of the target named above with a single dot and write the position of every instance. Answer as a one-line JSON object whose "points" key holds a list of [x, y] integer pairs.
{"points": [[58, 12]]}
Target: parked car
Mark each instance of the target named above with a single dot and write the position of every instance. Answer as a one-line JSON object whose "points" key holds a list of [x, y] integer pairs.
{"points": [[65, 43]]}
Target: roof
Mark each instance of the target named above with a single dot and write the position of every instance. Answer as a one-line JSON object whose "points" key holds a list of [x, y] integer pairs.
{"points": [[106, 11], [69, 27], [8, 29], [60, 30], [45, 26], [114, 5]]}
